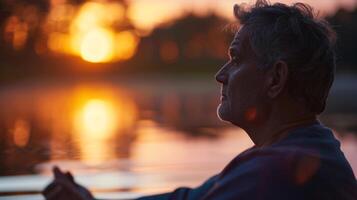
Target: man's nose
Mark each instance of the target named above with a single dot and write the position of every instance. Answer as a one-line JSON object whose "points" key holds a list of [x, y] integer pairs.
{"points": [[221, 75]]}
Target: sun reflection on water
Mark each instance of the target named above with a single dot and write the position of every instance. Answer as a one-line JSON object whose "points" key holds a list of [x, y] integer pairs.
{"points": [[99, 121]]}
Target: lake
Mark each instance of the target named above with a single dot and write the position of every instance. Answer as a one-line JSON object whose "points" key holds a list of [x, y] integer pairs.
{"points": [[126, 137]]}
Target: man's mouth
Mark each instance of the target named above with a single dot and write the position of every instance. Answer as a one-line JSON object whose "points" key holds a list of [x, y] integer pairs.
{"points": [[223, 94]]}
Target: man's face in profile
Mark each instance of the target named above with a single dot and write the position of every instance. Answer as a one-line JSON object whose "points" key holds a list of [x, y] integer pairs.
{"points": [[242, 84]]}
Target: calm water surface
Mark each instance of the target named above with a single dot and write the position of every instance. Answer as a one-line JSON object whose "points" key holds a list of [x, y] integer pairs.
{"points": [[126, 138]]}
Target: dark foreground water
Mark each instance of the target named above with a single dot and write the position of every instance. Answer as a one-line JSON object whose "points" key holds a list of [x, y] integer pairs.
{"points": [[128, 137]]}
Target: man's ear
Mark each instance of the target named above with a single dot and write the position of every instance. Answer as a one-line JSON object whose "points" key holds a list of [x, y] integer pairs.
{"points": [[277, 80]]}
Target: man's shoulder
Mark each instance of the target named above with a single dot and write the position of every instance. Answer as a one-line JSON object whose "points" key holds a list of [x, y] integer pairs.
{"points": [[265, 163], [309, 149], [289, 174], [308, 158], [270, 172]]}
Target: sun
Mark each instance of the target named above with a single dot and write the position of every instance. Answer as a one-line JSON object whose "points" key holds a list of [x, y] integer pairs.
{"points": [[97, 46], [93, 34]]}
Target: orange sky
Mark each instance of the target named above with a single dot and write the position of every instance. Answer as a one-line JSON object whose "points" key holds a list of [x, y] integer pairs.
{"points": [[148, 13]]}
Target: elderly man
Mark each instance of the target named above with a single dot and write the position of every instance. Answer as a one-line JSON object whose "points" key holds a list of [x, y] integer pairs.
{"points": [[274, 85]]}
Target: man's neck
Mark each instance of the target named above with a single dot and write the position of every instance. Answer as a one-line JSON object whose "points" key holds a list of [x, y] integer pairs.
{"points": [[275, 130]]}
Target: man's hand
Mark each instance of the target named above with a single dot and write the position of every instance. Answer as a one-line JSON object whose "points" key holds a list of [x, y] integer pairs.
{"points": [[64, 187]]}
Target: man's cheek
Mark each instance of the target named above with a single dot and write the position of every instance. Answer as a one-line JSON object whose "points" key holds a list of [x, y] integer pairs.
{"points": [[250, 114]]}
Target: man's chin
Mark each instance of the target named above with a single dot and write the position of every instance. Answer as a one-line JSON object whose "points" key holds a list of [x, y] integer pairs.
{"points": [[223, 113]]}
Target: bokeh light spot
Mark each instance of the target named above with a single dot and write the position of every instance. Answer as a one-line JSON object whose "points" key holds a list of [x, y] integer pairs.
{"points": [[21, 133], [97, 46]]}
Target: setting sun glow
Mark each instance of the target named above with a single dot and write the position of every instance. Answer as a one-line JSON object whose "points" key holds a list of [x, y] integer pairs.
{"points": [[97, 46], [95, 35]]}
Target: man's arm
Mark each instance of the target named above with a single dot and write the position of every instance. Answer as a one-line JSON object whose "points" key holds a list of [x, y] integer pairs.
{"points": [[64, 187], [184, 193]]}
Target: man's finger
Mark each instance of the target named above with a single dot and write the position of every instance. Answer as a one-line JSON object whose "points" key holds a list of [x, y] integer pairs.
{"points": [[70, 176], [57, 172], [61, 175]]}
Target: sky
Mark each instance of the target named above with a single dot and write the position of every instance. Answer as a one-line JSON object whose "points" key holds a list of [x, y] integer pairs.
{"points": [[148, 13]]}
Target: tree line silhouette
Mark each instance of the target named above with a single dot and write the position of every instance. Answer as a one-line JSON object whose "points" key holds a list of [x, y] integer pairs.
{"points": [[190, 44]]}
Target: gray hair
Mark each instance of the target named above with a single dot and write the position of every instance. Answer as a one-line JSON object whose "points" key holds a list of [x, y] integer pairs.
{"points": [[293, 34]]}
